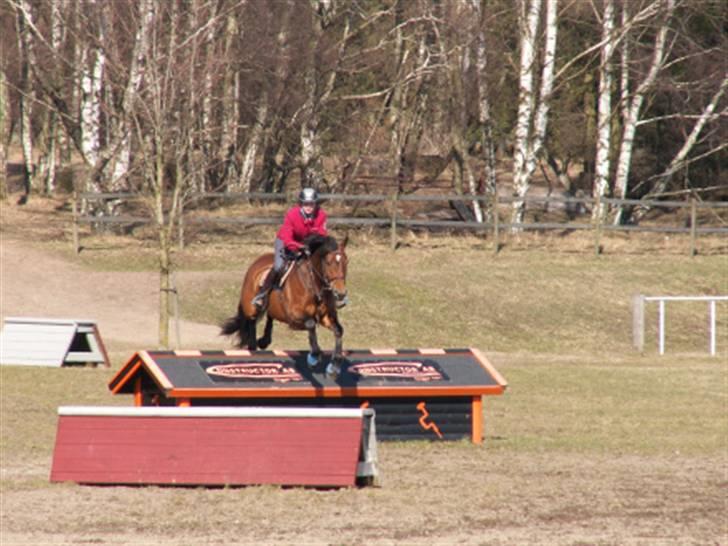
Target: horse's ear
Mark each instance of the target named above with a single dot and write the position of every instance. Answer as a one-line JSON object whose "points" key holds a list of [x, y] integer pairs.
{"points": [[343, 243]]}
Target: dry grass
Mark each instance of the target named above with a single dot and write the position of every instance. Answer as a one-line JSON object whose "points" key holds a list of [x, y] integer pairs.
{"points": [[601, 452], [591, 444]]}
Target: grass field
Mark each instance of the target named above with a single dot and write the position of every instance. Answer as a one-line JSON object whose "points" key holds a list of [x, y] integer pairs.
{"points": [[592, 443]]}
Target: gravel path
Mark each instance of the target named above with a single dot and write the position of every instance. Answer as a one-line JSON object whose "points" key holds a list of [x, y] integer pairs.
{"points": [[123, 304]]}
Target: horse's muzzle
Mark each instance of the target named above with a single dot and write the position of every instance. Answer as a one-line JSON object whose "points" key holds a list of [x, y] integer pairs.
{"points": [[341, 299]]}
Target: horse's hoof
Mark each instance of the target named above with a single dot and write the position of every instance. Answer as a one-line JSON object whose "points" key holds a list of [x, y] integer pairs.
{"points": [[312, 360], [333, 370]]}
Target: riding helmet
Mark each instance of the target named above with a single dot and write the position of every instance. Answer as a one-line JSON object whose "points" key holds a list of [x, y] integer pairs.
{"points": [[308, 196]]}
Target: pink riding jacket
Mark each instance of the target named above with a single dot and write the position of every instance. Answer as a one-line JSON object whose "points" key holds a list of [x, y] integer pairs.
{"points": [[296, 228]]}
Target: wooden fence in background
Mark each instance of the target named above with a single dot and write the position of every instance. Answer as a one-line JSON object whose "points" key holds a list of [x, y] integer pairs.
{"points": [[395, 218]]}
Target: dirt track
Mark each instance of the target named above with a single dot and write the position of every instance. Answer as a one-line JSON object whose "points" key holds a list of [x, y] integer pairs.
{"points": [[124, 305]]}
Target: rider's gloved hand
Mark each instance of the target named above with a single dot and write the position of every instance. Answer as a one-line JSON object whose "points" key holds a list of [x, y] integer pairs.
{"points": [[305, 252]]}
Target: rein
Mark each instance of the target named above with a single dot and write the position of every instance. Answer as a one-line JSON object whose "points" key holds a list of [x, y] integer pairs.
{"points": [[325, 281]]}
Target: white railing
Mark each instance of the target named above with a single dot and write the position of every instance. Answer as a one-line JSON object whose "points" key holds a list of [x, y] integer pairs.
{"points": [[638, 318]]}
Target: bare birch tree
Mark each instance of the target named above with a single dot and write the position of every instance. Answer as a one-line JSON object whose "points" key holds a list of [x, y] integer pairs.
{"points": [[261, 125], [93, 61], [318, 87], [484, 108], [680, 159], [161, 130], [533, 107], [416, 54], [4, 123], [602, 162], [456, 61], [48, 159], [633, 105], [268, 88], [27, 94]]}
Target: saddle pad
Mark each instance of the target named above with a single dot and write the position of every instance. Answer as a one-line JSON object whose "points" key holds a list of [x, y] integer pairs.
{"points": [[281, 282]]}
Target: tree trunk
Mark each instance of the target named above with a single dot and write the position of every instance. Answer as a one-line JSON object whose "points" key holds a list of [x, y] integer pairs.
{"points": [[484, 110], [707, 114], [396, 99], [164, 255], [48, 161], [530, 135], [318, 90], [678, 161], [410, 97], [4, 119], [632, 111], [457, 61], [254, 139], [120, 135], [526, 99], [604, 112], [25, 47], [91, 82], [230, 98], [547, 85], [590, 126]]}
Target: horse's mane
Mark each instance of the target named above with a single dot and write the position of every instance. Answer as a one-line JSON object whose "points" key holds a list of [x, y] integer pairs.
{"points": [[321, 243]]}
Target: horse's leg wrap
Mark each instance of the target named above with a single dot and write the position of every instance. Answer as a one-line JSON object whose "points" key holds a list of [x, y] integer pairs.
{"points": [[313, 357]]}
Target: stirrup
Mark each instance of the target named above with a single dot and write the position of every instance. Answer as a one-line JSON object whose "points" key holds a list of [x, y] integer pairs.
{"points": [[259, 300]]}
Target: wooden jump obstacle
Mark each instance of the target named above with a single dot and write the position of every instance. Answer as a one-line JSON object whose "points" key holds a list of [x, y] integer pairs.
{"points": [[215, 446], [51, 342], [432, 394]]}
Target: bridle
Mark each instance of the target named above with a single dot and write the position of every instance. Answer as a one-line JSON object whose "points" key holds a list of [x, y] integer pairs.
{"points": [[326, 282]]}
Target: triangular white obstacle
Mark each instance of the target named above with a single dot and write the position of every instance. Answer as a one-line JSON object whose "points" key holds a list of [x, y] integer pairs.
{"points": [[51, 342]]}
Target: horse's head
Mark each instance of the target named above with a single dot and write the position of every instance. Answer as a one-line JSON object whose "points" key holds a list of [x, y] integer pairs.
{"points": [[332, 262]]}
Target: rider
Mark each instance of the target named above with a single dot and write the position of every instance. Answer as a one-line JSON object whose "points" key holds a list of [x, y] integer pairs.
{"points": [[300, 221]]}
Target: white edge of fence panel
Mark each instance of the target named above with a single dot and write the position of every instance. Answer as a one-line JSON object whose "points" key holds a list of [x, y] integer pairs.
{"points": [[638, 319]]}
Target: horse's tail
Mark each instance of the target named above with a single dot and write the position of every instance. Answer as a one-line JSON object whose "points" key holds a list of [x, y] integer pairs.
{"points": [[241, 326]]}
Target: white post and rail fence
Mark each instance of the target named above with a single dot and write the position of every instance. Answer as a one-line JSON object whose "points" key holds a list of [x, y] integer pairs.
{"points": [[638, 318]]}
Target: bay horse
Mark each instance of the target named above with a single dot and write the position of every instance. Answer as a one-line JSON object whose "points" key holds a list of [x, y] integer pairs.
{"points": [[311, 293]]}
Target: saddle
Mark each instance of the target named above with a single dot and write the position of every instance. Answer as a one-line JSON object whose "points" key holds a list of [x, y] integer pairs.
{"points": [[282, 281]]}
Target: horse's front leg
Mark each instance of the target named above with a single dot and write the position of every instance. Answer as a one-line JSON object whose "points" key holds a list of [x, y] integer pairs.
{"points": [[334, 367], [264, 341], [314, 356]]}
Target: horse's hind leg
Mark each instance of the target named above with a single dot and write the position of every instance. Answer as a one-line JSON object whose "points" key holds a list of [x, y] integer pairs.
{"points": [[264, 341], [314, 356], [250, 334]]}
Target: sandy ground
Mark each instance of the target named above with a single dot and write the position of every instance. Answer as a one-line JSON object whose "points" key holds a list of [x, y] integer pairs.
{"points": [[124, 305]]}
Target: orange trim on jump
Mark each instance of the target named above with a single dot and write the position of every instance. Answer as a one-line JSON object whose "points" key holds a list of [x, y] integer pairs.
{"points": [[127, 375], [335, 392], [383, 351], [191, 352], [483, 360], [237, 352], [157, 373], [138, 395], [432, 351], [477, 414]]}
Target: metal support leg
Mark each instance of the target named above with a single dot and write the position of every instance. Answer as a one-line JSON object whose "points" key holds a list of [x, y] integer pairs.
{"points": [[661, 327]]}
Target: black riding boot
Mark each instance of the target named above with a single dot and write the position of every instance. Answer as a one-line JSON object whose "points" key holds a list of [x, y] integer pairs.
{"points": [[260, 299]]}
